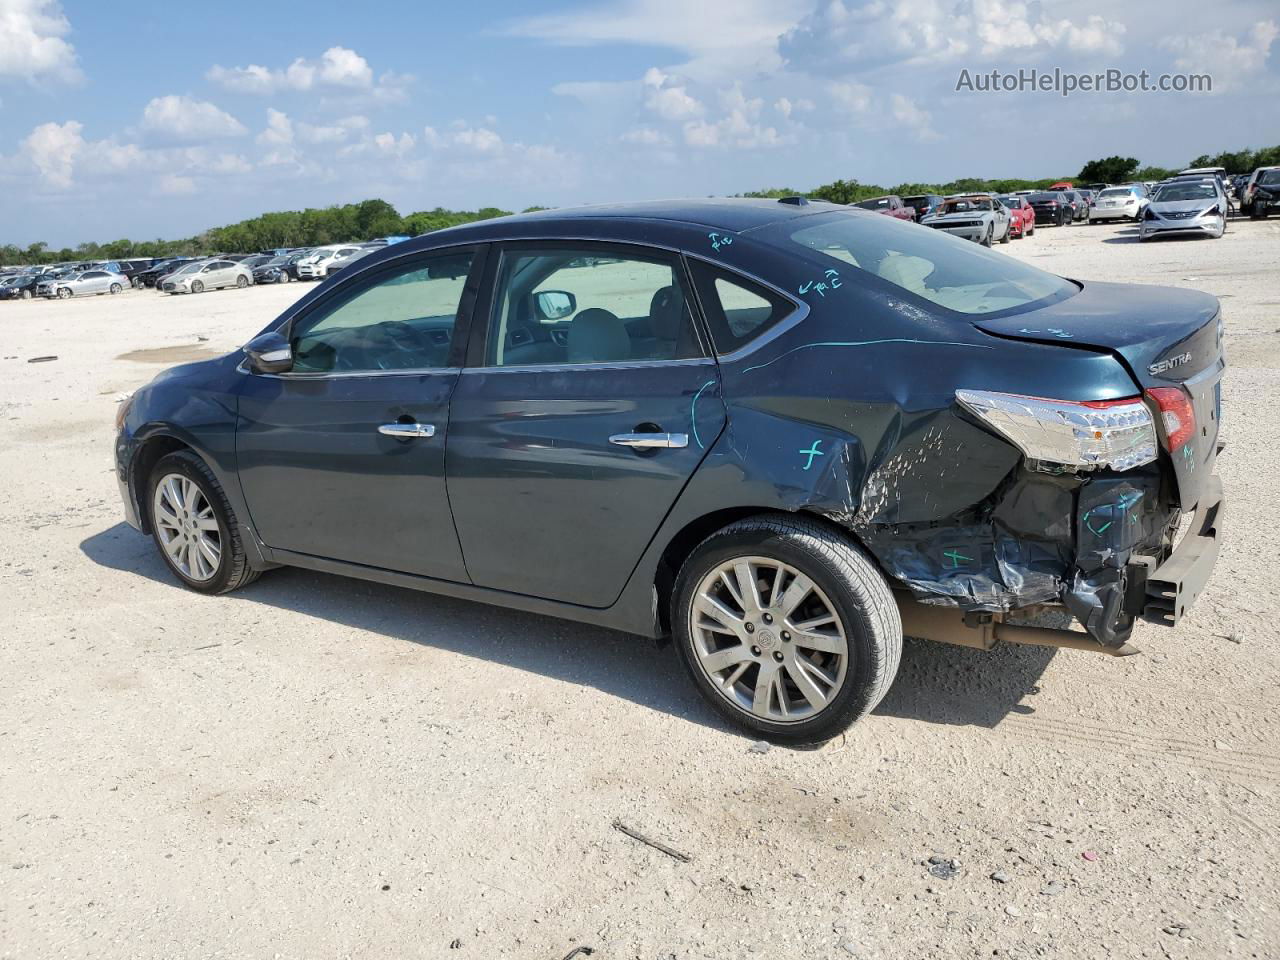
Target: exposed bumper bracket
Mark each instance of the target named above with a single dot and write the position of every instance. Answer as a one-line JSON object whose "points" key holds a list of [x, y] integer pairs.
{"points": [[1175, 584]]}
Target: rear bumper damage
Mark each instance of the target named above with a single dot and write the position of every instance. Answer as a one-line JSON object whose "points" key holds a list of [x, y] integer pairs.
{"points": [[1101, 545]]}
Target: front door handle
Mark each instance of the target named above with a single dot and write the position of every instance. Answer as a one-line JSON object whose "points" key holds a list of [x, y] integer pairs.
{"points": [[648, 441], [407, 430]]}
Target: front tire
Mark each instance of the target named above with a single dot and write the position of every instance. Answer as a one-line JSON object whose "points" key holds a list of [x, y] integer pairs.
{"points": [[197, 286], [116, 288], [64, 293], [242, 281], [194, 526], [786, 627]]}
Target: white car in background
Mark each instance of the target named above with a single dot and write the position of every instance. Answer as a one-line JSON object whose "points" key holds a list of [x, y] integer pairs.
{"points": [[1118, 203], [207, 275], [316, 266], [87, 283], [1197, 207]]}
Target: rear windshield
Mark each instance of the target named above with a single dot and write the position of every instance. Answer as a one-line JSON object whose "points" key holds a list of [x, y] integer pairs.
{"points": [[944, 270], [1117, 192], [1269, 177], [1042, 197], [873, 204]]}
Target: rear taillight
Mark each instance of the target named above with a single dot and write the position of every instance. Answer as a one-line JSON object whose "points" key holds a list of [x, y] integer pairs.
{"points": [[1091, 435], [1177, 414]]}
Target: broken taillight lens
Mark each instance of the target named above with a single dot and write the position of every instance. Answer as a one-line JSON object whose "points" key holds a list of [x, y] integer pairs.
{"points": [[1176, 412], [1089, 435]]}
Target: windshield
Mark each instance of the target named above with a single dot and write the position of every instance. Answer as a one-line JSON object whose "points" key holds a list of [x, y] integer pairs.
{"points": [[1270, 177], [966, 205], [189, 268], [1116, 192], [873, 204], [1174, 192], [944, 270], [1012, 202]]}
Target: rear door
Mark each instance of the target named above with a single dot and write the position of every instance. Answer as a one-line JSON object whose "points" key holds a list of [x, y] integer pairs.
{"points": [[587, 404]]}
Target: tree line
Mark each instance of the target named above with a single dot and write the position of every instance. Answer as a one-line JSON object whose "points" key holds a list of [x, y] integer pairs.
{"points": [[377, 218]]}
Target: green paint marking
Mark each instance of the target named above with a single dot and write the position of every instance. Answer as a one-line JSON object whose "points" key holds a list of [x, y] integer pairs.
{"points": [[955, 556]]}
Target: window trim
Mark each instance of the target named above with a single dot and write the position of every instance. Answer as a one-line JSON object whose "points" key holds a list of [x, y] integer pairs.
{"points": [[477, 350], [370, 276], [799, 309]]}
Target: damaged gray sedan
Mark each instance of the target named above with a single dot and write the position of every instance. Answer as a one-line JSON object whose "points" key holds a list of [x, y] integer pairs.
{"points": [[781, 433]]}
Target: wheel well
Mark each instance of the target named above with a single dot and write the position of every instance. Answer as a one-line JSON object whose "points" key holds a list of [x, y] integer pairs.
{"points": [[143, 462], [687, 540]]}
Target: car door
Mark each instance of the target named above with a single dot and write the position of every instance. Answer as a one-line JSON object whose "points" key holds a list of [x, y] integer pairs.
{"points": [[343, 457], [588, 401]]}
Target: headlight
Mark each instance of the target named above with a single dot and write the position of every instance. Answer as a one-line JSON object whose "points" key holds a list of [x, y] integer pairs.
{"points": [[1213, 211], [122, 410]]}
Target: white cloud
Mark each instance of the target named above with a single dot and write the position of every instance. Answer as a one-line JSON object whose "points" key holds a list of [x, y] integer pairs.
{"points": [[838, 37], [1225, 58], [718, 42], [669, 98], [338, 67], [465, 139], [850, 96], [906, 113], [279, 129], [174, 185], [645, 137], [739, 127], [184, 118], [31, 41], [52, 149]]}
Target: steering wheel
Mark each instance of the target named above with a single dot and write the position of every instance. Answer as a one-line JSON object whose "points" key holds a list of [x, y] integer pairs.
{"points": [[405, 340]]}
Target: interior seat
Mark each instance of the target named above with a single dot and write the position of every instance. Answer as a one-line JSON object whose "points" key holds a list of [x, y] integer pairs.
{"points": [[598, 336]]}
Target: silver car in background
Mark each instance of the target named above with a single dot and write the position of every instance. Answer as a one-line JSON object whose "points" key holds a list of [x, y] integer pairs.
{"points": [[978, 217], [1189, 207], [1119, 203], [207, 275], [86, 283]]}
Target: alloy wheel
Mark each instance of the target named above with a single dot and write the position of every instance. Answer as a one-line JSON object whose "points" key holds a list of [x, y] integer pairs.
{"points": [[768, 639], [187, 527]]}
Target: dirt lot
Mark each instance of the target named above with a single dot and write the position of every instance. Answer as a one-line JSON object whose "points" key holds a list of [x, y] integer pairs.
{"points": [[317, 767]]}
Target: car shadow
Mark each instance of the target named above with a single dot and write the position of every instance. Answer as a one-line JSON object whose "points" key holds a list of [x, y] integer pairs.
{"points": [[936, 683]]}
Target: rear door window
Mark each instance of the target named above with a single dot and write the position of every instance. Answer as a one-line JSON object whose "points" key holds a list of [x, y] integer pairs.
{"points": [[738, 310]]}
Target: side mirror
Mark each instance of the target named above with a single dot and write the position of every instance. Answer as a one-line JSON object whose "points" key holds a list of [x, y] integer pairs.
{"points": [[554, 304], [269, 353]]}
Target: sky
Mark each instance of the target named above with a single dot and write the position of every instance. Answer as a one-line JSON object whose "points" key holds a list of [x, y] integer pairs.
{"points": [[149, 120]]}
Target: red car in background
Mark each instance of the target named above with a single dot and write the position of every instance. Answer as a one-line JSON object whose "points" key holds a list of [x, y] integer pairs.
{"points": [[1022, 216], [889, 205]]}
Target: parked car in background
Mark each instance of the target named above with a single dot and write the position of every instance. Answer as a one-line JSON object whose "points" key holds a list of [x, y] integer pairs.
{"points": [[20, 287], [82, 284], [1262, 193], [978, 217], [1062, 185], [207, 275], [341, 263], [890, 205], [272, 270], [1088, 196], [1051, 208], [747, 497], [1098, 187], [130, 269], [149, 276], [1079, 206], [1022, 216], [315, 266], [1187, 207], [923, 204], [1118, 203]]}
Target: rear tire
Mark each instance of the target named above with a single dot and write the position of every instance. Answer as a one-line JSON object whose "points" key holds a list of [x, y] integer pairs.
{"points": [[986, 240], [846, 657], [1008, 233], [186, 504]]}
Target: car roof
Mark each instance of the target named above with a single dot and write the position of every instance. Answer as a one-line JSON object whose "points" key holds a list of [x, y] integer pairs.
{"points": [[730, 214]]}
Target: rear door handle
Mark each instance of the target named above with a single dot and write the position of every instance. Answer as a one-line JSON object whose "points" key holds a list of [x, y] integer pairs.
{"points": [[407, 430], [650, 440]]}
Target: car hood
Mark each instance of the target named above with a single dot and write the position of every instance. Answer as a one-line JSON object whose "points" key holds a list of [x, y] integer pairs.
{"points": [[1182, 206], [968, 215]]}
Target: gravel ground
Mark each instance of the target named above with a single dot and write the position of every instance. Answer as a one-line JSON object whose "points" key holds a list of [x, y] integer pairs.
{"points": [[318, 767]]}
